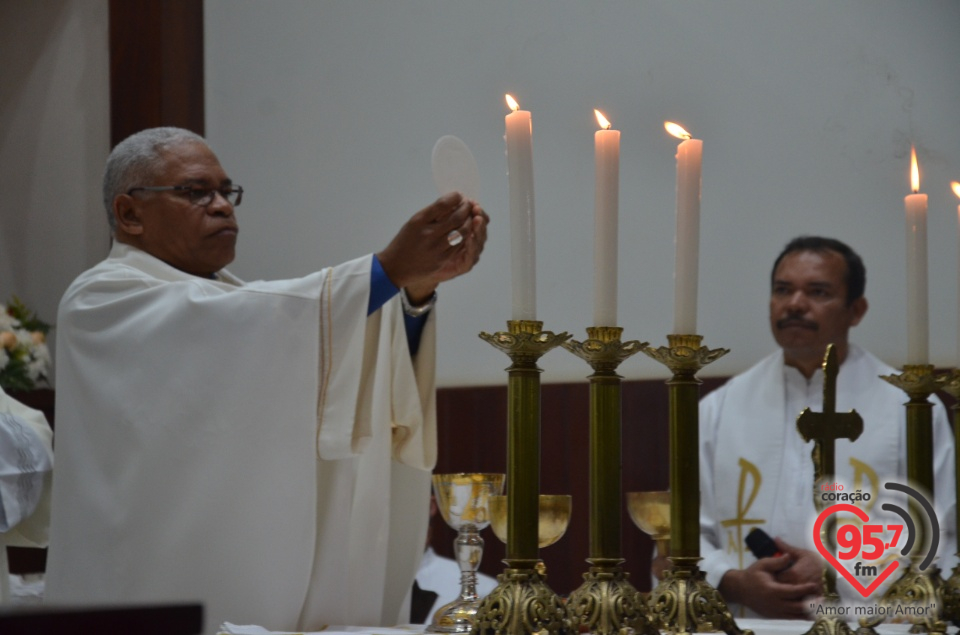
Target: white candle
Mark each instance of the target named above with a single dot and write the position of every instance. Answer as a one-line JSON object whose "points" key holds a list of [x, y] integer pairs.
{"points": [[956, 190], [523, 253], [918, 348], [606, 145], [689, 156]]}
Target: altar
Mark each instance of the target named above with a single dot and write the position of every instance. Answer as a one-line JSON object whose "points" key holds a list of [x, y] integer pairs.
{"points": [[758, 626]]}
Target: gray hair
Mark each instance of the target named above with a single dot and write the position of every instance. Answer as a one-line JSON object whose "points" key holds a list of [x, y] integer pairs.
{"points": [[137, 159]]}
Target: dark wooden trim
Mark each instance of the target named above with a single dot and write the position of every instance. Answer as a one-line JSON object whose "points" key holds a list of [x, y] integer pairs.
{"points": [[156, 66], [160, 619], [472, 437]]}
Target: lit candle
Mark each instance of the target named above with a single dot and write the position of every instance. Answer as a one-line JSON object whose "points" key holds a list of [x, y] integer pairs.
{"points": [[689, 155], [523, 252], [918, 348], [956, 190], [606, 145]]}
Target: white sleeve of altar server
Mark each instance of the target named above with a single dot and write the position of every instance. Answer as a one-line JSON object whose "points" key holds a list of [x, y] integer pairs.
{"points": [[24, 461]]}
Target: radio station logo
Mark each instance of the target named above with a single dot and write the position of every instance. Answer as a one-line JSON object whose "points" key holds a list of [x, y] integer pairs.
{"points": [[861, 548]]}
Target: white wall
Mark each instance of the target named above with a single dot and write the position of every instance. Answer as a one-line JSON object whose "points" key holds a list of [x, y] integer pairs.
{"points": [[327, 112], [54, 139]]}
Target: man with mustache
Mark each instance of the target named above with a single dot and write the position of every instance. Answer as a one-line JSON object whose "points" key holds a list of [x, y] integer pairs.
{"points": [[264, 448], [756, 470]]}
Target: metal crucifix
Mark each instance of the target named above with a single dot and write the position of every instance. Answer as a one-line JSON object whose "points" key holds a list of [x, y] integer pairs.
{"points": [[824, 428]]}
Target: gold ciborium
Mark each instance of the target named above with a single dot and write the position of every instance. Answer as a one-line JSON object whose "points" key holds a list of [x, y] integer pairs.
{"points": [[650, 512], [463, 500], [553, 519]]}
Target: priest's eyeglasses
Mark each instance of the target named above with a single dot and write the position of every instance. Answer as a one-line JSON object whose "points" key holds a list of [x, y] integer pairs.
{"points": [[198, 196]]}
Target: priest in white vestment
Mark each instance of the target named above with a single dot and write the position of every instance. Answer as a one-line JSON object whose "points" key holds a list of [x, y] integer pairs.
{"points": [[756, 470], [26, 461], [264, 448]]}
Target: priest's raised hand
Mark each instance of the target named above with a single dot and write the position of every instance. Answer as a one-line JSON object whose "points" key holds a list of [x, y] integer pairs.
{"points": [[440, 242]]}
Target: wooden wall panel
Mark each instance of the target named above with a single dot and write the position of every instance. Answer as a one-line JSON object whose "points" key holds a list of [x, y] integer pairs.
{"points": [[156, 66], [472, 438]]}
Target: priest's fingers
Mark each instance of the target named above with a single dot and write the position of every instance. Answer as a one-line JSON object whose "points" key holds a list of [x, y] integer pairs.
{"points": [[456, 219], [774, 565], [465, 255], [786, 547], [757, 588], [781, 601], [794, 600], [480, 222], [441, 208], [473, 225], [421, 248], [806, 566]]}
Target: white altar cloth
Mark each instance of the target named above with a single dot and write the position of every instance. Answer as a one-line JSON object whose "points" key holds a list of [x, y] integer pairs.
{"points": [[758, 626], [235, 629], [799, 627]]}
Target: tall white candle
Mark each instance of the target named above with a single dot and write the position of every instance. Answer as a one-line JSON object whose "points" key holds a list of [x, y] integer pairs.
{"points": [[918, 348], [956, 190], [606, 145], [523, 253], [689, 157]]}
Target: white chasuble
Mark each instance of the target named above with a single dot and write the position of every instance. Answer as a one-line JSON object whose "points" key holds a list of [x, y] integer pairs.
{"points": [[264, 448], [756, 470], [26, 459]]}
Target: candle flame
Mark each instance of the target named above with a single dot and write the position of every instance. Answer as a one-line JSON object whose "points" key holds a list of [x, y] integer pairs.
{"points": [[514, 106], [914, 171], [602, 120], [676, 130], [956, 188]]}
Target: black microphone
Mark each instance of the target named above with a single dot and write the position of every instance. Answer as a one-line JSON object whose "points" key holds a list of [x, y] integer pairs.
{"points": [[761, 545]]}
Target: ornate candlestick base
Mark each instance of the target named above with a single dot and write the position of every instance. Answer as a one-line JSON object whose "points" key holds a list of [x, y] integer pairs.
{"points": [[684, 602], [950, 596], [916, 587], [950, 591], [522, 603], [606, 602], [830, 625]]}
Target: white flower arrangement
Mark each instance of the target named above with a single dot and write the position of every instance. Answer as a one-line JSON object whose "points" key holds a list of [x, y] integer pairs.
{"points": [[25, 362]]}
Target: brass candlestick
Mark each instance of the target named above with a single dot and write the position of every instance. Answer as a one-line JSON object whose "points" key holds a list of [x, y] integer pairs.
{"points": [[824, 428], [916, 586], [522, 603], [950, 591], [606, 602], [684, 602]]}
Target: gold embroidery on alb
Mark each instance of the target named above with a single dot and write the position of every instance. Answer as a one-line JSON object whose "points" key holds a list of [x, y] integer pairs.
{"points": [[735, 537]]}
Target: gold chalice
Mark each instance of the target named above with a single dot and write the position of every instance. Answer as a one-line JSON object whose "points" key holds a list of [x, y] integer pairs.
{"points": [[650, 511], [463, 500], [553, 520]]}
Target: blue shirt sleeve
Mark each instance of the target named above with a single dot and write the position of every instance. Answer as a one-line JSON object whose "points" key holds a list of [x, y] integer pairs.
{"points": [[381, 290]]}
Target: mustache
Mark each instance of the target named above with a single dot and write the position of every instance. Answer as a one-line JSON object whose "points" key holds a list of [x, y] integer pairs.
{"points": [[795, 321]]}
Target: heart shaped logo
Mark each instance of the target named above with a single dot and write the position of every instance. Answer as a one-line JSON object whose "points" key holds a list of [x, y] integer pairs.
{"points": [[818, 541]]}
